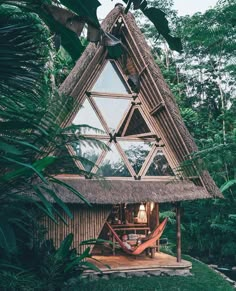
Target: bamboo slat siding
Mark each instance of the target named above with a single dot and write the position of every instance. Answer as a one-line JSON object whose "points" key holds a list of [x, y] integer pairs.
{"points": [[86, 224]]}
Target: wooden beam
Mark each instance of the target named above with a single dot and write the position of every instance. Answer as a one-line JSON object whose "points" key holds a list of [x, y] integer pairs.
{"points": [[99, 114], [160, 178], [148, 161], [129, 114], [178, 232], [100, 159], [125, 160], [124, 116], [143, 135], [157, 108], [110, 95]]}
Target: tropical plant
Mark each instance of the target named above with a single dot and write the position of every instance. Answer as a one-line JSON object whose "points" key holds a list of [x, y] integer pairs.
{"points": [[55, 267], [29, 137], [47, 268]]}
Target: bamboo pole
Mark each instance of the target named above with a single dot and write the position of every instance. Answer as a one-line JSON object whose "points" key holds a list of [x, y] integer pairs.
{"points": [[157, 223], [111, 95], [178, 232]]}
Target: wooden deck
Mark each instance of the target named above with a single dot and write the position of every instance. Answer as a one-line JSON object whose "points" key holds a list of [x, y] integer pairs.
{"points": [[125, 263]]}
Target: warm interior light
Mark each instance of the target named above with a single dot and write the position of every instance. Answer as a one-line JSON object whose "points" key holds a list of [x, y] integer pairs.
{"points": [[141, 207], [152, 205], [142, 215]]}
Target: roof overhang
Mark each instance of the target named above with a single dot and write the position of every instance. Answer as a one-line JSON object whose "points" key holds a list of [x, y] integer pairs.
{"points": [[121, 191]]}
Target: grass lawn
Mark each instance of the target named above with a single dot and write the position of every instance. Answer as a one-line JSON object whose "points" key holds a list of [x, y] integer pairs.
{"points": [[203, 279]]}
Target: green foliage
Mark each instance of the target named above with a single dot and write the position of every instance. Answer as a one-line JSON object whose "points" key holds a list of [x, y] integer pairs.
{"points": [[54, 267], [86, 10], [63, 64], [44, 267], [159, 20], [67, 18], [30, 136], [21, 280]]}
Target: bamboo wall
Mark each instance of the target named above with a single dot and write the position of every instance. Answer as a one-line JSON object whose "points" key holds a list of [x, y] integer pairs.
{"points": [[86, 224]]}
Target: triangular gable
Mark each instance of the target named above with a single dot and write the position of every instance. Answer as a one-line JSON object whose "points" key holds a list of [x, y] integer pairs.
{"points": [[152, 103]]}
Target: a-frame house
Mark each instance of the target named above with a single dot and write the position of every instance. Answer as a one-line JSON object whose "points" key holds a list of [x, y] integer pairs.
{"points": [[138, 119]]}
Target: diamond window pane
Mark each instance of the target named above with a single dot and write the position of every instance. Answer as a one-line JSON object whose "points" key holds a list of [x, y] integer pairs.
{"points": [[113, 165], [160, 166], [136, 153], [88, 116], [110, 81], [112, 110]]}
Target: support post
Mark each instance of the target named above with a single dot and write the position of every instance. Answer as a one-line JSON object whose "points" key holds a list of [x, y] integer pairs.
{"points": [[178, 232], [157, 223]]}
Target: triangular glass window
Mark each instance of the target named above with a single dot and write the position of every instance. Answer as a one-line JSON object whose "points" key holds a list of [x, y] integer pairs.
{"points": [[110, 81], [113, 165], [112, 110], [88, 153], [136, 153], [160, 166], [87, 116], [137, 125]]}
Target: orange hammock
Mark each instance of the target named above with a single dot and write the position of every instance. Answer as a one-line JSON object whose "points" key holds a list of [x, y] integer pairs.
{"points": [[148, 242]]}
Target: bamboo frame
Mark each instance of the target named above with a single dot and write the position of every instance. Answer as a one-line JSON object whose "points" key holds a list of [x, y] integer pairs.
{"points": [[127, 113], [147, 161], [123, 75], [142, 136], [178, 232], [110, 95], [100, 159], [121, 138], [99, 115], [157, 223], [130, 114], [125, 159], [157, 108]]}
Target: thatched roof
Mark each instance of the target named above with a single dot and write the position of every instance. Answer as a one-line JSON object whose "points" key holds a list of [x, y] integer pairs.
{"points": [[157, 98], [115, 191]]}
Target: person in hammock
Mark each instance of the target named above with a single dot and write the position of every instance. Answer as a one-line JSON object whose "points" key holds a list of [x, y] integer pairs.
{"points": [[125, 242]]}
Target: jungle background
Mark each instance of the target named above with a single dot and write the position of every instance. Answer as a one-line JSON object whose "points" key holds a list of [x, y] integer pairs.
{"points": [[37, 53]]}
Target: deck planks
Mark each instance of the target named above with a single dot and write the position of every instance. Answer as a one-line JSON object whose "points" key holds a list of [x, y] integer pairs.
{"points": [[124, 263]]}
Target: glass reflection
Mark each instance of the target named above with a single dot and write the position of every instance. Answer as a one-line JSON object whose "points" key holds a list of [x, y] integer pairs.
{"points": [[110, 81]]}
